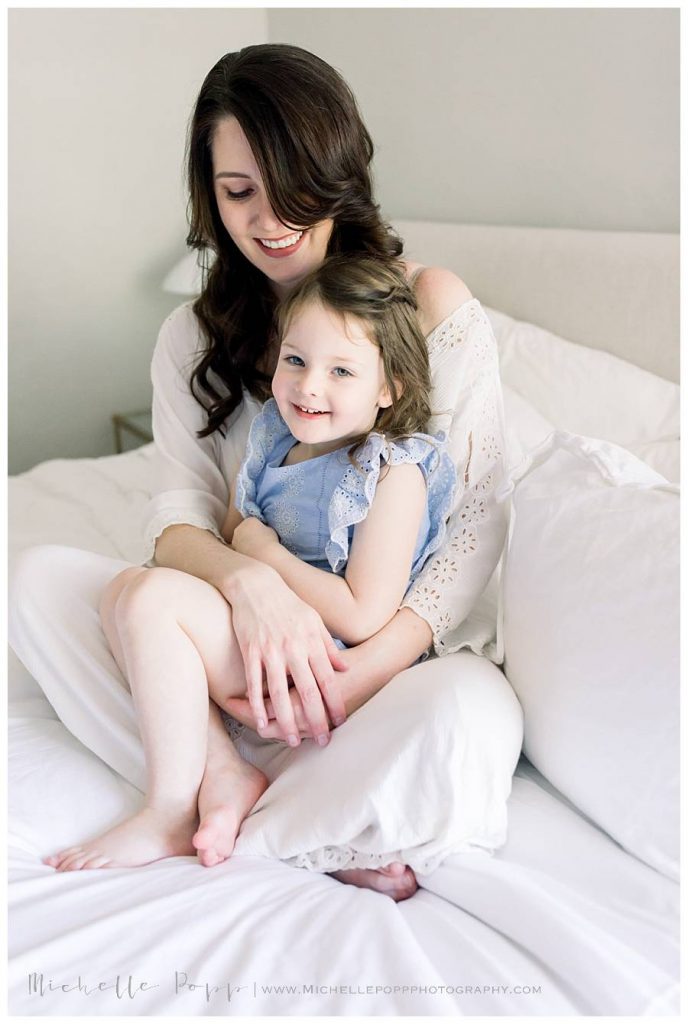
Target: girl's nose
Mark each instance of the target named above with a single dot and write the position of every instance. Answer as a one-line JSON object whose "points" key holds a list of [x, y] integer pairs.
{"points": [[310, 382]]}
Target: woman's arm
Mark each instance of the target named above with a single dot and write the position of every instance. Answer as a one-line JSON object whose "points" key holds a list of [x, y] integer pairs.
{"points": [[357, 605]]}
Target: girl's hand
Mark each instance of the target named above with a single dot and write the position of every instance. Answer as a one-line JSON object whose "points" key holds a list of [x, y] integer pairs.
{"points": [[280, 635], [251, 537]]}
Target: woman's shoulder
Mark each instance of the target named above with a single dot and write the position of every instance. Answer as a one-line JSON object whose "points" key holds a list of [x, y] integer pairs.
{"points": [[180, 336], [439, 292]]}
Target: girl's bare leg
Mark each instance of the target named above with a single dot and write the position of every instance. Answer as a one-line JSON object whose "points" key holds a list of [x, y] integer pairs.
{"points": [[170, 633]]}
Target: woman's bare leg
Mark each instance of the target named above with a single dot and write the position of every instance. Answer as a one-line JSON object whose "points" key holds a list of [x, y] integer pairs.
{"points": [[170, 633]]}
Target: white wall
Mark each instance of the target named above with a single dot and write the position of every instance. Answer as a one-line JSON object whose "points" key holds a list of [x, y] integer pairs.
{"points": [[533, 116], [499, 116], [98, 106]]}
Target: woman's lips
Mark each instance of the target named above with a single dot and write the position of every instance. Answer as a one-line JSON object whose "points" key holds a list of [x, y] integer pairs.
{"points": [[280, 254]]}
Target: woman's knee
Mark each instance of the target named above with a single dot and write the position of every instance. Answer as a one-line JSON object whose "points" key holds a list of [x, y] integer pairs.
{"points": [[469, 689]]}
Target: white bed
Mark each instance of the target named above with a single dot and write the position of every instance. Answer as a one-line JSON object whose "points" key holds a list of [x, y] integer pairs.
{"points": [[578, 913]]}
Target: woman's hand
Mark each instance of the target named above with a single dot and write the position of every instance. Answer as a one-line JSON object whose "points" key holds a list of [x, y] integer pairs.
{"points": [[279, 635], [239, 708]]}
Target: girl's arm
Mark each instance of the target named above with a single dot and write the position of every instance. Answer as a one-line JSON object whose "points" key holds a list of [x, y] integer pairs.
{"points": [[357, 605]]}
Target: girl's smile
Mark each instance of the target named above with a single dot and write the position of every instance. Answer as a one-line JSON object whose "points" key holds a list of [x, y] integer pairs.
{"points": [[329, 383]]}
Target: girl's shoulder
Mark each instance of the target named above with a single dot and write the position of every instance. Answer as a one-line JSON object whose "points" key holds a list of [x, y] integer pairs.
{"points": [[379, 456], [439, 292]]}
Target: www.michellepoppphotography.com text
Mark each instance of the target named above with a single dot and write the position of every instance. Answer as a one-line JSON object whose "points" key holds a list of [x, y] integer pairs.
{"points": [[128, 987]]}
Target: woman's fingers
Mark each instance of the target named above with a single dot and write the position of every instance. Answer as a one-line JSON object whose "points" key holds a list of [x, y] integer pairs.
{"points": [[274, 731], [279, 695], [321, 662], [311, 700], [253, 668]]}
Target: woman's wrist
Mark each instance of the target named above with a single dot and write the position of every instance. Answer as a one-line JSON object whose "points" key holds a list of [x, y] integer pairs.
{"points": [[244, 576], [200, 553]]}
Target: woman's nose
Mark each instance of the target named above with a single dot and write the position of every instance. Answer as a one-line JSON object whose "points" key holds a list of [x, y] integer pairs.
{"points": [[267, 223]]}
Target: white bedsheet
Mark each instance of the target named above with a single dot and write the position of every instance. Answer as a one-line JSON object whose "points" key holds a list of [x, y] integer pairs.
{"points": [[561, 909]]}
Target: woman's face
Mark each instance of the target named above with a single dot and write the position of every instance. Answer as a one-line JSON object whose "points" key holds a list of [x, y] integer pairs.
{"points": [[285, 256]]}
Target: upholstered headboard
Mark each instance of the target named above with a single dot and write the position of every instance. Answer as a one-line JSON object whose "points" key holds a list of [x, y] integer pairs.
{"points": [[612, 290]]}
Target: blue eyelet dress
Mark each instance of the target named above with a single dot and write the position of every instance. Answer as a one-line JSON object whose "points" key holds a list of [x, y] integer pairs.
{"points": [[314, 505]]}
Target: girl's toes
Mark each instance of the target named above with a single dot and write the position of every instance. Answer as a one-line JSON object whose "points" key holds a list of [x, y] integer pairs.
{"points": [[55, 859], [75, 862]]}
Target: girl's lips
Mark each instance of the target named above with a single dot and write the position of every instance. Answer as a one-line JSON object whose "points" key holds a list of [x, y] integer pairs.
{"points": [[307, 415], [279, 254]]}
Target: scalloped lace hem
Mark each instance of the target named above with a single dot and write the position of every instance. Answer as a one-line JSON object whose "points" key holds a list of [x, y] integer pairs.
{"points": [[341, 858]]}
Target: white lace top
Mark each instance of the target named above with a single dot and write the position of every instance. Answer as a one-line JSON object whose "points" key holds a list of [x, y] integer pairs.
{"points": [[193, 476]]}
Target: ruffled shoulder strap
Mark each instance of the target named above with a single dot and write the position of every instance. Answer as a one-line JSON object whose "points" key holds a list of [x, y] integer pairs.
{"points": [[267, 430], [354, 494]]}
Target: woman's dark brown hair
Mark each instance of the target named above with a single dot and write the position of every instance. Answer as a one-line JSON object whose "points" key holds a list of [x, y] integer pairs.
{"points": [[313, 150], [379, 296]]}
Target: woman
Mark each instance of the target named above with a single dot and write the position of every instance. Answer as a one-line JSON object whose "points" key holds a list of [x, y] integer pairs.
{"points": [[278, 162]]}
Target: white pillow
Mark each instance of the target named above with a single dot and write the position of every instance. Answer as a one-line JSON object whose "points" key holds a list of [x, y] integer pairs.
{"points": [[590, 628], [525, 426], [591, 392]]}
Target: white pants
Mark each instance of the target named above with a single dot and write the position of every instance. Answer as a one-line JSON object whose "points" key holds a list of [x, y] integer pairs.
{"points": [[421, 771]]}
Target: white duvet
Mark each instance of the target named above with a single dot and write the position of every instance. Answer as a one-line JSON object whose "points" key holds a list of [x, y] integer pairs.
{"points": [[560, 920]]}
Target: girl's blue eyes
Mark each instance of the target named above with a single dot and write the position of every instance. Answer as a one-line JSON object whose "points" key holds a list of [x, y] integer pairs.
{"points": [[339, 371]]}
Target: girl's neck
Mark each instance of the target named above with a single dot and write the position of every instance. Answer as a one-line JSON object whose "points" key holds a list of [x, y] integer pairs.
{"points": [[305, 452]]}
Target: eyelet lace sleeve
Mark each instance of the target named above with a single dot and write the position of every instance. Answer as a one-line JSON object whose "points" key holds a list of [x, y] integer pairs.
{"points": [[354, 494], [267, 429], [450, 593]]}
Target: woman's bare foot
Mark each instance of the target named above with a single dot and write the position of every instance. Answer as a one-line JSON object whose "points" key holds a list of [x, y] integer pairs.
{"points": [[226, 796], [147, 836], [396, 880]]}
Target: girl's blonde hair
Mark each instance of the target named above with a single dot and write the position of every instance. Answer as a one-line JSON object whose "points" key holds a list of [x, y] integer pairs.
{"points": [[377, 293]]}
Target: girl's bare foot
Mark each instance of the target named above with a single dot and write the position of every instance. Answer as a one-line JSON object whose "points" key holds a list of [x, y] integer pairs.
{"points": [[147, 836], [226, 796], [396, 880]]}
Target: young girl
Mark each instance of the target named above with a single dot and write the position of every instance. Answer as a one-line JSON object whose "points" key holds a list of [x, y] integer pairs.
{"points": [[340, 492]]}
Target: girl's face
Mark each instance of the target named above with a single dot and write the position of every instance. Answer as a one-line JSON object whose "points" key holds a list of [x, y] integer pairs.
{"points": [[329, 382], [285, 256]]}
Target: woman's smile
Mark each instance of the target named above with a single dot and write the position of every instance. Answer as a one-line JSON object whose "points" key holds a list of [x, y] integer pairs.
{"points": [[279, 248]]}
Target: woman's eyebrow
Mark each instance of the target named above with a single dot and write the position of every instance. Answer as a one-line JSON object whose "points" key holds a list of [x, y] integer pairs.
{"points": [[231, 174]]}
